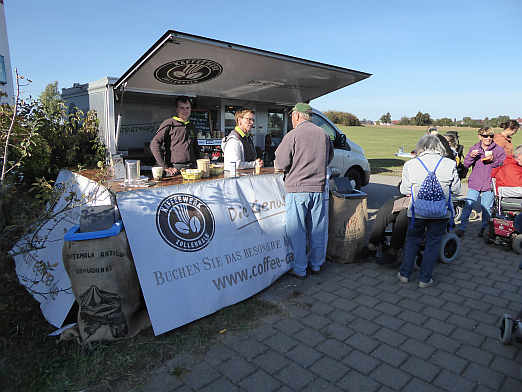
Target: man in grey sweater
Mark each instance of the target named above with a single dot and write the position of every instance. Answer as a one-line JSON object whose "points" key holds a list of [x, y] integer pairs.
{"points": [[304, 154]]}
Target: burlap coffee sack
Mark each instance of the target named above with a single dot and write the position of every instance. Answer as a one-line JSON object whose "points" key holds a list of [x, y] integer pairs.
{"points": [[106, 287], [346, 228]]}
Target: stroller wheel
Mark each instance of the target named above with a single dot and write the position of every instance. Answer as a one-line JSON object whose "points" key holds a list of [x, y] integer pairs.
{"points": [[450, 246], [505, 325], [473, 215], [517, 244]]}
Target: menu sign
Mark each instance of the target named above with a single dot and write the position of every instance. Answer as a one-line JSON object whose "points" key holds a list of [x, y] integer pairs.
{"points": [[200, 120]]}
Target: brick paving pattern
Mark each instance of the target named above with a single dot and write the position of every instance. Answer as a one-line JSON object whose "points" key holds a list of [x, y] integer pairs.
{"points": [[355, 328]]}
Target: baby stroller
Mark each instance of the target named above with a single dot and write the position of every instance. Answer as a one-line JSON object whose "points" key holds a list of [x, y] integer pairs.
{"points": [[502, 228], [509, 328]]}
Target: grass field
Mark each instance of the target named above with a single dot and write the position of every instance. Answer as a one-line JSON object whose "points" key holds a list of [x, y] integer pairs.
{"points": [[380, 143]]}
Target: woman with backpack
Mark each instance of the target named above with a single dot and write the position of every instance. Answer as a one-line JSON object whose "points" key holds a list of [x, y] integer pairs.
{"points": [[482, 157], [429, 179]]}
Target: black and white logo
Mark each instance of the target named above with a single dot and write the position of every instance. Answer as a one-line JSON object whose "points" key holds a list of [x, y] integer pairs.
{"points": [[188, 71], [185, 222]]}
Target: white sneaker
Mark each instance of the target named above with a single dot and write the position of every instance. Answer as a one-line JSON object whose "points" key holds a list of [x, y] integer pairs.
{"points": [[402, 279], [424, 285]]}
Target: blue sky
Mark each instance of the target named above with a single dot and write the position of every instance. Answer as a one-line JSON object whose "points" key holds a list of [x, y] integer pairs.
{"points": [[447, 58]]}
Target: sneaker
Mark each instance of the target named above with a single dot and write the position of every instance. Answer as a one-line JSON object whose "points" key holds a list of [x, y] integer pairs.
{"points": [[371, 247], [459, 233], [425, 285], [295, 275], [315, 272], [402, 279]]}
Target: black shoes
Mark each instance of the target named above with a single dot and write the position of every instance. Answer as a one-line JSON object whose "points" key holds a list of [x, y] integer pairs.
{"points": [[300, 277], [460, 233]]}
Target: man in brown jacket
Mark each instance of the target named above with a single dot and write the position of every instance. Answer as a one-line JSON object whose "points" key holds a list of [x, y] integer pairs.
{"points": [[304, 154], [172, 146]]}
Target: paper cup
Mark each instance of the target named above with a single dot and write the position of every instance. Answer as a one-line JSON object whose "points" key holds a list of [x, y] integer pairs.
{"points": [[204, 166], [157, 172], [489, 154]]}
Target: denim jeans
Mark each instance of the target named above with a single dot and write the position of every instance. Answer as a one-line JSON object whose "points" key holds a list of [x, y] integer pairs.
{"points": [[486, 201], [307, 228], [518, 223], [434, 230]]}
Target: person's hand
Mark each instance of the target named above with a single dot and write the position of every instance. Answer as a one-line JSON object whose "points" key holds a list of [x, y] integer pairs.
{"points": [[260, 162], [474, 153], [171, 171]]}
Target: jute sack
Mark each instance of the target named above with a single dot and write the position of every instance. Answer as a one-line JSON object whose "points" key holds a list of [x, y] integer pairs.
{"points": [[106, 287], [347, 227]]}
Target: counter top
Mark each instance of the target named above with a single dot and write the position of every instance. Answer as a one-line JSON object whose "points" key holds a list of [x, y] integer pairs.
{"points": [[118, 186]]}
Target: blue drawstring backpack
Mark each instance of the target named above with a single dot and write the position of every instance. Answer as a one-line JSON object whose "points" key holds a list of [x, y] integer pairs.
{"points": [[431, 202]]}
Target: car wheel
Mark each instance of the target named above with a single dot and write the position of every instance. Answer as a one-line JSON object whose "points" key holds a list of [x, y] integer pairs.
{"points": [[355, 175], [450, 246], [517, 244], [506, 328]]}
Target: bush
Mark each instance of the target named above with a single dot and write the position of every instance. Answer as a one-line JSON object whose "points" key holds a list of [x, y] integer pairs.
{"points": [[342, 118], [44, 142]]}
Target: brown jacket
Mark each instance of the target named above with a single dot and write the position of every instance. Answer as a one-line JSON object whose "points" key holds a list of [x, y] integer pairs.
{"points": [[172, 144], [304, 154], [505, 143]]}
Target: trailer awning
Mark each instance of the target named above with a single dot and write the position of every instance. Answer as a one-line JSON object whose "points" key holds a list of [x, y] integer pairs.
{"points": [[184, 64]]}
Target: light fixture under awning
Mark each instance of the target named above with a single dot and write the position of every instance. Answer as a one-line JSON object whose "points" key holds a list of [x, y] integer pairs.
{"points": [[185, 64]]}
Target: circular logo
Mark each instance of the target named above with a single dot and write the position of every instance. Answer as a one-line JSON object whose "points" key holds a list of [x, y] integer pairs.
{"points": [[188, 71], [185, 222]]}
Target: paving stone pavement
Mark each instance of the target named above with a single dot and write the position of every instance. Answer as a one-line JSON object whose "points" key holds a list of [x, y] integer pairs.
{"points": [[355, 328]]}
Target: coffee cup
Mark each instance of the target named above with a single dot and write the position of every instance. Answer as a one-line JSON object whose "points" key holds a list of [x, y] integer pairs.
{"points": [[489, 154], [157, 172]]}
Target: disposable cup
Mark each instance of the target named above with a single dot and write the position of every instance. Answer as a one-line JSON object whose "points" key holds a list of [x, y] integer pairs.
{"points": [[204, 166], [157, 172]]}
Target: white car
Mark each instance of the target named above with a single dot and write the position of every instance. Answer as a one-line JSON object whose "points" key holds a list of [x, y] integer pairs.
{"points": [[349, 159]]}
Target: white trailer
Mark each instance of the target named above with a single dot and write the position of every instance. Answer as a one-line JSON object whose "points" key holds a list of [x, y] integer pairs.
{"points": [[221, 77]]}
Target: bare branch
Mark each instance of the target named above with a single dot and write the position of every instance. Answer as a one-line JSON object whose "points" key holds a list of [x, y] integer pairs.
{"points": [[4, 163]]}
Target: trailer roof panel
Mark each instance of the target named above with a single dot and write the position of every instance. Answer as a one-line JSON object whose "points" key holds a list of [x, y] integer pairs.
{"points": [[184, 64]]}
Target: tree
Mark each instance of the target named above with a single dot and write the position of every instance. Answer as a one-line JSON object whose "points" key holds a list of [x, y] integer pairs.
{"points": [[342, 118], [386, 118], [423, 119], [444, 122], [466, 121], [418, 118], [404, 120], [51, 99], [426, 119]]}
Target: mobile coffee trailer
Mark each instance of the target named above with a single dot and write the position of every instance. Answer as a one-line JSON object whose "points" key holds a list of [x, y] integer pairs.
{"points": [[183, 234], [220, 76]]}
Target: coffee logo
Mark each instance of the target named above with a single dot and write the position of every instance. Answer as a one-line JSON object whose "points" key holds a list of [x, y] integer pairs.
{"points": [[185, 222], [188, 71]]}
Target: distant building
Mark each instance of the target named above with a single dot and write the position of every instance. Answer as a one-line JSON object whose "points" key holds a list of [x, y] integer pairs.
{"points": [[6, 74]]}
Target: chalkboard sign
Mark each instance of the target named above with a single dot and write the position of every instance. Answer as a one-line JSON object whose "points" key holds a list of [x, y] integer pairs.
{"points": [[200, 120]]}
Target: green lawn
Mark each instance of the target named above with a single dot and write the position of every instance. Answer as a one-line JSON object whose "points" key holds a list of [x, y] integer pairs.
{"points": [[381, 143]]}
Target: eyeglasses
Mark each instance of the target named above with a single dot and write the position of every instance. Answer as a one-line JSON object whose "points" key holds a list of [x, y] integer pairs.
{"points": [[485, 136]]}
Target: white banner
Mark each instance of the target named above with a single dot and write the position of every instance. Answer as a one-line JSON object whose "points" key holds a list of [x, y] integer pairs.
{"points": [[41, 270], [199, 247]]}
